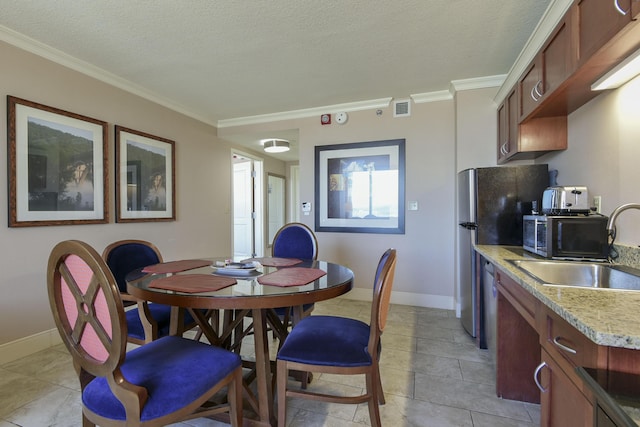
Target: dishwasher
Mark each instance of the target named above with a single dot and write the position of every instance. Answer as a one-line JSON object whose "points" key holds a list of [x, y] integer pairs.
{"points": [[489, 309]]}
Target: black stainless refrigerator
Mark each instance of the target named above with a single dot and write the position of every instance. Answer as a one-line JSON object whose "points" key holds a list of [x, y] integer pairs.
{"points": [[491, 203]]}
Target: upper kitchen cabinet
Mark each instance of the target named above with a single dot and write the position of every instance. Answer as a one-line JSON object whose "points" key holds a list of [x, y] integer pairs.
{"points": [[598, 22], [587, 39], [550, 68], [530, 139]]}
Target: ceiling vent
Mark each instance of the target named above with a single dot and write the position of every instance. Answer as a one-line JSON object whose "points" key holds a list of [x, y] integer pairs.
{"points": [[402, 108]]}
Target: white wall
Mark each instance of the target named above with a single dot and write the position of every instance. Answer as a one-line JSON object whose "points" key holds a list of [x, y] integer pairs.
{"points": [[604, 154], [476, 128]]}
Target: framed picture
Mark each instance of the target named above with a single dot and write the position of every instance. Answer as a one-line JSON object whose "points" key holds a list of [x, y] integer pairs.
{"points": [[57, 164], [360, 187], [145, 177]]}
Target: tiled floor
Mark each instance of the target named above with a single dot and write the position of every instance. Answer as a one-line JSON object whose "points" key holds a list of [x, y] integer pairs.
{"points": [[432, 375]]}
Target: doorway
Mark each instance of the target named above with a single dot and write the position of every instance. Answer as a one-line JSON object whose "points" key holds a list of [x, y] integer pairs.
{"points": [[248, 212]]}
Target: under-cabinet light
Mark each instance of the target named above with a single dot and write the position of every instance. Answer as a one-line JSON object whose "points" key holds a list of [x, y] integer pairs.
{"points": [[620, 74]]}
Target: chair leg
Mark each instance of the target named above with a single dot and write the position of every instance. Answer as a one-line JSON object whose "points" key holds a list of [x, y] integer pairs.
{"points": [[372, 403], [235, 399], [86, 422], [282, 373], [379, 383]]}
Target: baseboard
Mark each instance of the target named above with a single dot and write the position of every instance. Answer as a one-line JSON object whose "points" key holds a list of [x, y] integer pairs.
{"points": [[22, 347], [405, 298]]}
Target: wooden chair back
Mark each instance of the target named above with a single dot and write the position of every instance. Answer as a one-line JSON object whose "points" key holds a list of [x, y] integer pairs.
{"points": [[87, 309], [382, 287]]}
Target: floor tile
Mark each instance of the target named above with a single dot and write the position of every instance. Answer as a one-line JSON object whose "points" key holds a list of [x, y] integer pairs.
{"points": [[461, 394], [61, 407], [403, 412]]}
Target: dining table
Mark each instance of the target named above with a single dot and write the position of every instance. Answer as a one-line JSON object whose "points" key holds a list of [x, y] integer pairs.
{"points": [[254, 287]]}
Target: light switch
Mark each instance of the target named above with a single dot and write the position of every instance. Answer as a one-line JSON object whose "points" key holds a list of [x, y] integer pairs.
{"points": [[413, 206], [306, 208]]}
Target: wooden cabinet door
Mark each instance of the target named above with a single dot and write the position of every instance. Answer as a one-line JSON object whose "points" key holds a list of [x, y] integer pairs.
{"points": [[552, 66], [598, 21], [635, 9], [562, 403], [558, 57], [531, 88], [503, 130], [513, 140], [508, 130]]}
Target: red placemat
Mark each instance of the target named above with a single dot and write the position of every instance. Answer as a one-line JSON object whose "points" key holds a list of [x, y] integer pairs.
{"points": [[176, 266], [275, 261], [193, 283], [294, 276]]}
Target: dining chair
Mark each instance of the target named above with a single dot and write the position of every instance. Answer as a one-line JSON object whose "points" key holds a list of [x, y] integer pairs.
{"points": [[163, 382], [294, 240], [339, 345], [150, 321]]}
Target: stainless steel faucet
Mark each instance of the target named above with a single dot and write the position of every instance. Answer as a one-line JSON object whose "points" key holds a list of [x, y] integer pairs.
{"points": [[617, 211]]}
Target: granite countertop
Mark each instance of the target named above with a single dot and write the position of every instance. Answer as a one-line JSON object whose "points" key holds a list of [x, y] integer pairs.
{"points": [[607, 317]]}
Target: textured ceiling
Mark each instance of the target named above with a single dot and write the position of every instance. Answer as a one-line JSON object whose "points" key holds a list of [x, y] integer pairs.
{"points": [[227, 59]]}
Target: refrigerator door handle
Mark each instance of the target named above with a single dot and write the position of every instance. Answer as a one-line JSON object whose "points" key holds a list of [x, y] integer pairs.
{"points": [[469, 225]]}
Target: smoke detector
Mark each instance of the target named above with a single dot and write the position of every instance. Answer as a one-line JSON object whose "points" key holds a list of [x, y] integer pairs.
{"points": [[402, 108]]}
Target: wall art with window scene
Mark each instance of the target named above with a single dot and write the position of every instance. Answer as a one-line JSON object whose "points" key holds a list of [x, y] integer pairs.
{"points": [[360, 187]]}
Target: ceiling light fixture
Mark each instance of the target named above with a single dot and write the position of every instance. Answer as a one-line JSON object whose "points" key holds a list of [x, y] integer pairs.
{"points": [[620, 74], [276, 145]]}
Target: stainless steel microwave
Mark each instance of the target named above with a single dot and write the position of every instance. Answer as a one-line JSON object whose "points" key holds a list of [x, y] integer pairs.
{"points": [[575, 237]]}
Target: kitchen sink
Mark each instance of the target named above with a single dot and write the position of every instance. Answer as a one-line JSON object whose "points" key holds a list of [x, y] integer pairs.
{"points": [[582, 274]]}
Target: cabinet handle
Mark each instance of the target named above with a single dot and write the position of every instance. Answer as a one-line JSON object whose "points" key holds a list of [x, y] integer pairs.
{"points": [[563, 347], [536, 374], [535, 88], [618, 8], [532, 95]]}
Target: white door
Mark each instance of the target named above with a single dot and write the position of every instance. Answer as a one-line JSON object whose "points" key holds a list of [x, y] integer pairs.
{"points": [[242, 209], [248, 211]]}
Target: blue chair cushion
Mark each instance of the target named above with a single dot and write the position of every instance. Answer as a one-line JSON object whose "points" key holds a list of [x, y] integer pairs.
{"points": [[175, 371], [328, 341], [294, 242], [161, 314]]}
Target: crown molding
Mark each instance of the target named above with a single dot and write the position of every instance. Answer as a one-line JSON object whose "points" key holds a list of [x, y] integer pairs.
{"points": [[478, 83], [45, 51], [441, 95], [305, 113], [550, 19]]}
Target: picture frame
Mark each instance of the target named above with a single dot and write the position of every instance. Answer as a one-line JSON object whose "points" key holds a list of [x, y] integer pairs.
{"points": [[57, 166], [360, 187], [145, 177]]}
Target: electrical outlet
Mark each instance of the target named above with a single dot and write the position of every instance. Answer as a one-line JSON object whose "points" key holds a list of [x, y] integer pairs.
{"points": [[597, 203]]}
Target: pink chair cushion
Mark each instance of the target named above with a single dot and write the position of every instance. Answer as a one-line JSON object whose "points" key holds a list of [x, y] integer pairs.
{"points": [[89, 340]]}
